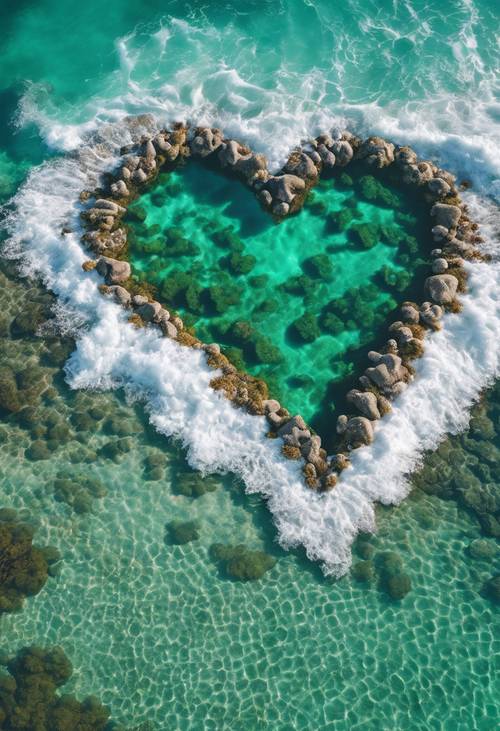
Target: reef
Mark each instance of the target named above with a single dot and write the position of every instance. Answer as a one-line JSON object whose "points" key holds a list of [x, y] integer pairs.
{"points": [[24, 568], [30, 699], [454, 235], [242, 563]]}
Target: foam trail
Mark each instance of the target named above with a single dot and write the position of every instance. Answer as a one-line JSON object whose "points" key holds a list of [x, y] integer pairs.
{"points": [[174, 381]]}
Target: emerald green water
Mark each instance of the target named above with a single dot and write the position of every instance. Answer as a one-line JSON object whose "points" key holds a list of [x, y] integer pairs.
{"points": [[155, 630], [213, 231]]}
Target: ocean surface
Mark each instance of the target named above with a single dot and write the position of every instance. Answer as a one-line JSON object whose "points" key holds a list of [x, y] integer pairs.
{"points": [[156, 630]]}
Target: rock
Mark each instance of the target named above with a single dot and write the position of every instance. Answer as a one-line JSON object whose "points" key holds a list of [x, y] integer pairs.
{"points": [[295, 421], [121, 295], [359, 432], [230, 152], [139, 177], [341, 424], [274, 420], [340, 461], [386, 375], [430, 315], [482, 549], [105, 205], [161, 142], [252, 167], [417, 174], [410, 314], [310, 449], [439, 266], [365, 402], [377, 152], [285, 187], [440, 233], [343, 152], [456, 247], [271, 405], [207, 140], [314, 155], [112, 241], [441, 288], [168, 328], [149, 150], [445, 215], [438, 187], [301, 165], [150, 311], [281, 209], [296, 437], [491, 589], [139, 299], [113, 271], [119, 189], [326, 156], [405, 156], [402, 333], [265, 197]]}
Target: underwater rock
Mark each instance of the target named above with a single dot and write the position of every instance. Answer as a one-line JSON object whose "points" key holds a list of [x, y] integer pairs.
{"points": [[29, 698], [181, 532], [306, 327], [482, 549], [194, 484], [491, 589], [24, 568], [241, 563], [363, 571], [441, 288]]}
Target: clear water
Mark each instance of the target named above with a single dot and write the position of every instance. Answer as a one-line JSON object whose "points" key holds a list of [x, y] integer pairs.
{"points": [[155, 630]]}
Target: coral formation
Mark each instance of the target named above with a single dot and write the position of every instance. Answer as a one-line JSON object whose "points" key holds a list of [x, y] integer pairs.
{"points": [[241, 563]]}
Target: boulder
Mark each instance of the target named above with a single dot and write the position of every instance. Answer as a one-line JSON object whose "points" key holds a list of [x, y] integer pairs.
{"points": [[139, 177], [207, 140], [409, 314], [445, 215], [388, 372], [271, 405], [295, 421], [113, 271], [296, 437], [440, 233], [150, 311], [121, 295], [265, 197], [326, 156], [377, 152], [139, 299], [439, 266], [365, 402], [168, 328], [161, 142], [417, 174], [230, 152], [405, 156], [343, 152], [301, 165], [341, 424], [438, 187], [112, 241], [441, 288], [430, 315], [281, 209], [119, 189], [285, 187], [359, 431]]}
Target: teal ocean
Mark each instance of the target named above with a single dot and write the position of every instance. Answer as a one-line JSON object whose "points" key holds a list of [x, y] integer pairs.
{"points": [[118, 437]]}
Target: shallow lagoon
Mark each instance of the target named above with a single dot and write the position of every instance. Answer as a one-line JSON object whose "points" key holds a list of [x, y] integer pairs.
{"points": [[345, 261]]}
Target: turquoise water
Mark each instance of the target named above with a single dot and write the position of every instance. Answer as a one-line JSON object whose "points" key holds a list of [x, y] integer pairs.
{"points": [[157, 631], [196, 220]]}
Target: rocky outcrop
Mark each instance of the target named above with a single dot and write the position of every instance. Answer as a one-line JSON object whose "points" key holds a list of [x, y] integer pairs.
{"points": [[282, 194]]}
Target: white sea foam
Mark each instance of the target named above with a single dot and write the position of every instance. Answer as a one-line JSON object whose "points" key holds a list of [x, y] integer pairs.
{"points": [[174, 381]]}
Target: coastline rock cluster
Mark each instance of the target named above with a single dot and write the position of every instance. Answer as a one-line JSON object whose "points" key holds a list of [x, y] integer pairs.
{"points": [[282, 194]]}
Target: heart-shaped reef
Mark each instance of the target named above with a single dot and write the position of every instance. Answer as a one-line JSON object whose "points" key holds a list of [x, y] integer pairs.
{"points": [[286, 306]]}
